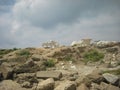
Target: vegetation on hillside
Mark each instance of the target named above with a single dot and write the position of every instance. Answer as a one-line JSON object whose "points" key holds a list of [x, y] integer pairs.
{"points": [[93, 56], [5, 51], [115, 72], [49, 63], [24, 52], [68, 58]]}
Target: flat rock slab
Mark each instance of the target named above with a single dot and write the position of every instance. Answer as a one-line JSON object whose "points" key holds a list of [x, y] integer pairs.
{"points": [[49, 74], [110, 77]]}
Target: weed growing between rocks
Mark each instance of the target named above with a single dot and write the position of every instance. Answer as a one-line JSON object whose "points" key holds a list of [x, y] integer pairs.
{"points": [[93, 56], [115, 72], [49, 63]]}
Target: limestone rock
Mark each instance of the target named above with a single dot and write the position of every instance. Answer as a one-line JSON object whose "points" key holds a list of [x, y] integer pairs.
{"points": [[6, 71], [110, 77], [37, 57], [111, 87], [49, 74], [10, 85], [26, 84], [66, 85], [46, 84], [26, 77], [30, 63], [95, 86], [105, 86], [28, 67], [82, 87]]}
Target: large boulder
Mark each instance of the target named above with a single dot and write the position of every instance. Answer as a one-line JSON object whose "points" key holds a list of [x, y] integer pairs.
{"points": [[10, 85], [49, 74], [37, 57], [46, 84], [6, 71], [66, 85]]}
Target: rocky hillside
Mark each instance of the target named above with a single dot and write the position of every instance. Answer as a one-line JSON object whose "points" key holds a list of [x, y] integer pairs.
{"points": [[62, 68]]}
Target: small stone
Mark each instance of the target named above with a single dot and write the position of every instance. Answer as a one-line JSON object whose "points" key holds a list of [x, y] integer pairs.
{"points": [[26, 84]]}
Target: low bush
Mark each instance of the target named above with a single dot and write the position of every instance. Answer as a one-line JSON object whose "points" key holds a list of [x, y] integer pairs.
{"points": [[15, 49], [93, 56], [5, 51], [24, 53], [49, 63]]}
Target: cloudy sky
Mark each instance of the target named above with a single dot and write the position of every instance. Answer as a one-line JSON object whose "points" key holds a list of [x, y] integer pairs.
{"points": [[28, 23]]}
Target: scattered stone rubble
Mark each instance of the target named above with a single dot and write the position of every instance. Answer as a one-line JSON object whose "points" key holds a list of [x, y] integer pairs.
{"points": [[69, 71]]}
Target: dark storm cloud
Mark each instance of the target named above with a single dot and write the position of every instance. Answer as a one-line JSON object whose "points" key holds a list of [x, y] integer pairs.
{"points": [[51, 13], [7, 2], [6, 5]]}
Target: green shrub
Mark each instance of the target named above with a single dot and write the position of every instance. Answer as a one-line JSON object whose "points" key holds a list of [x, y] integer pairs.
{"points": [[24, 53], [93, 56], [49, 63], [68, 58], [5, 51], [15, 49]]}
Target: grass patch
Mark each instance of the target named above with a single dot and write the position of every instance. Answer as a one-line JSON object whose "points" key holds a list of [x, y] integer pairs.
{"points": [[68, 58], [49, 63], [93, 56], [5, 51], [24, 53], [115, 72]]}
